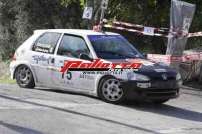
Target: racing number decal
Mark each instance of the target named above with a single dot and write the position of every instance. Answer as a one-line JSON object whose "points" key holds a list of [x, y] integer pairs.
{"points": [[69, 75]]}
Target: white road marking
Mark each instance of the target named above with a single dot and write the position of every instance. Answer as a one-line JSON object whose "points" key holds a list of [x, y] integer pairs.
{"points": [[171, 130], [177, 130]]}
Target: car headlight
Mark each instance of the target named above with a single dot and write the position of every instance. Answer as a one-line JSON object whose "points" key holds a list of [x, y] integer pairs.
{"points": [[178, 76], [137, 77]]}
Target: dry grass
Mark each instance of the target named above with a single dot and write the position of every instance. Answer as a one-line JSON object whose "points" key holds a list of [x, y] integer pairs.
{"points": [[4, 73]]}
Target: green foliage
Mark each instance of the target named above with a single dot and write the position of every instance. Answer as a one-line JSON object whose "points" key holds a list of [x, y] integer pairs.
{"points": [[18, 19], [82, 3], [67, 2], [155, 13]]}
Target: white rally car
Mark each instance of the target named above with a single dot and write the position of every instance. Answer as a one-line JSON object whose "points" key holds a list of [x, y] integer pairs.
{"points": [[37, 62]]}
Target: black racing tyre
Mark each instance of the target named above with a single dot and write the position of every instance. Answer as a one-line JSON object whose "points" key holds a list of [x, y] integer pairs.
{"points": [[110, 90], [24, 77], [160, 101]]}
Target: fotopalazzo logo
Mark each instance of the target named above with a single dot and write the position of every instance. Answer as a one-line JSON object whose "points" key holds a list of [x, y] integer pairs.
{"points": [[98, 65]]}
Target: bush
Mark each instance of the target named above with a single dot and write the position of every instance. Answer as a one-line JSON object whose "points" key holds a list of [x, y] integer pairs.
{"points": [[19, 18]]}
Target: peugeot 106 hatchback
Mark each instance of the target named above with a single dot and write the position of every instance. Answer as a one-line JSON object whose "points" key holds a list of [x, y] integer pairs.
{"points": [[40, 59]]}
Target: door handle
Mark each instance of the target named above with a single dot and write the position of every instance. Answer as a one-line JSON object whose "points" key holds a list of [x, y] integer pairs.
{"points": [[52, 60]]}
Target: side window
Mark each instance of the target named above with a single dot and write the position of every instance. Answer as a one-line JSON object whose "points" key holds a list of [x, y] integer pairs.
{"points": [[72, 46], [46, 43]]}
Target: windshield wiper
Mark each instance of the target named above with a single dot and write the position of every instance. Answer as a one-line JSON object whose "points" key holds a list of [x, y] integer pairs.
{"points": [[118, 54]]}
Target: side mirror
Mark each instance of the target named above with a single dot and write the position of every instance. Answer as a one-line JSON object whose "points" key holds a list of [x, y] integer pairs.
{"points": [[144, 55], [85, 57]]}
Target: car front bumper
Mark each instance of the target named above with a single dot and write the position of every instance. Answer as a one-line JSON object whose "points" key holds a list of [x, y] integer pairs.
{"points": [[152, 90]]}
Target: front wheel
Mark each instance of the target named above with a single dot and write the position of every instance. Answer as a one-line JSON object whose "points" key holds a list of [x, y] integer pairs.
{"points": [[24, 77], [110, 90]]}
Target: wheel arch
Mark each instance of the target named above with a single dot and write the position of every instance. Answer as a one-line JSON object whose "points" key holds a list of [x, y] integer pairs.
{"points": [[24, 64]]}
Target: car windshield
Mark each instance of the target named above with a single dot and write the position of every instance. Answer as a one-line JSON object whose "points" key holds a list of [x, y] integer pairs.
{"points": [[113, 47]]}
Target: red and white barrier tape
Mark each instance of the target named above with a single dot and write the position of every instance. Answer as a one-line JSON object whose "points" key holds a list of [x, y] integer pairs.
{"points": [[168, 58], [152, 31], [138, 26], [133, 30], [197, 34], [161, 32]]}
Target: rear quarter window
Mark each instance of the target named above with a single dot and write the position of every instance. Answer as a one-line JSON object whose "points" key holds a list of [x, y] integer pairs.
{"points": [[46, 43]]}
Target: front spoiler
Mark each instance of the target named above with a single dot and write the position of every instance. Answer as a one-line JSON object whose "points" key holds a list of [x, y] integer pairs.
{"points": [[154, 92]]}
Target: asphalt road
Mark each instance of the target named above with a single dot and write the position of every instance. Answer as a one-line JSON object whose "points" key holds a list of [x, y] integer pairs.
{"points": [[40, 111]]}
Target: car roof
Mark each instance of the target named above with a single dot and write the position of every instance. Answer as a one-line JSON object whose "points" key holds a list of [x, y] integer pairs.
{"points": [[81, 32]]}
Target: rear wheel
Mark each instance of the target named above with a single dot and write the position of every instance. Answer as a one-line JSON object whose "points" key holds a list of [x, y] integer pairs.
{"points": [[24, 77], [110, 90]]}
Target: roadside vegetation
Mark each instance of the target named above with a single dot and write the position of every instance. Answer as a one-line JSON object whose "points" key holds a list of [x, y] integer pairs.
{"points": [[5, 74], [19, 18]]}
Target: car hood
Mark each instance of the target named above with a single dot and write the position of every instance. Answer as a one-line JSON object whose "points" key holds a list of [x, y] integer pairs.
{"points": [[152, 69]]}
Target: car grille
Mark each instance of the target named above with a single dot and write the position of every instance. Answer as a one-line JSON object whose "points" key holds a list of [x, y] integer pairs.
{"points": [[159, 93], [162, 89], [160, 84], [160, 77]]}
